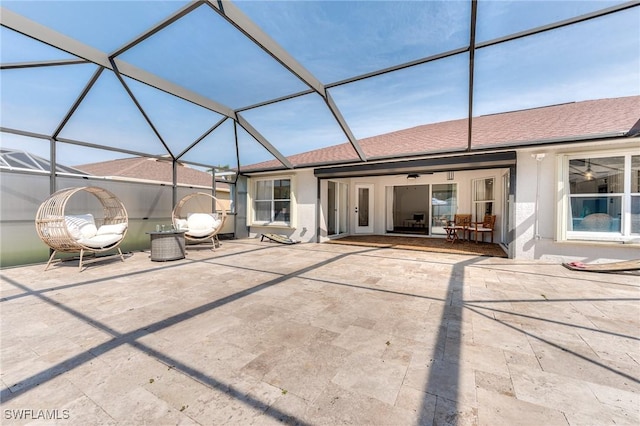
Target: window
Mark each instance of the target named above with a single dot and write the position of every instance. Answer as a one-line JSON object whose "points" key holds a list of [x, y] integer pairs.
{"points": [[272, 202], [603, 197], [635, 194], [483, 197]]}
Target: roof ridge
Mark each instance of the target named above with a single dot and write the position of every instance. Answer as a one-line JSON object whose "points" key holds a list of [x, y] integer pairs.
{"points": [[576, 120], [530, 109], [132, 166]]}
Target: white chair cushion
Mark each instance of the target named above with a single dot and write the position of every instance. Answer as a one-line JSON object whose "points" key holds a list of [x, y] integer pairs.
{"points": [[81, 226], [116, 228], [200, 221], [202, 224], [198, 233], [101, 241]]}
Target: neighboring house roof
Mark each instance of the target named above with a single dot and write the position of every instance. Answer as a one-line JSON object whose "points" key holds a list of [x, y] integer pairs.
{"points": [[18, 159], [556, 123], [151, 169]]}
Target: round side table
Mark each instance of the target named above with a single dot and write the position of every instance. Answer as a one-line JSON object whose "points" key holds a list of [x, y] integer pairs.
{"points": [[167, 245]]}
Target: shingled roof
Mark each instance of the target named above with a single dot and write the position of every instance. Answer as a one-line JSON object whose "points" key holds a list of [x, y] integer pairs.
{"points": [[147, 169], [564, 122]]}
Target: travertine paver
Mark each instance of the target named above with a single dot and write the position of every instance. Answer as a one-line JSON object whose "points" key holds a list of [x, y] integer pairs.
{"points": [[260, 333]]}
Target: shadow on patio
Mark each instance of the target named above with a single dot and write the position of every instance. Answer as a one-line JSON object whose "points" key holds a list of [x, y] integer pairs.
{"points": [[319, 334]]}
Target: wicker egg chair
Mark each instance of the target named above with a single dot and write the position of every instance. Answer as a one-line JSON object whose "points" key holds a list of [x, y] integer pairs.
{"points": [[199, 227], [66, 233]]}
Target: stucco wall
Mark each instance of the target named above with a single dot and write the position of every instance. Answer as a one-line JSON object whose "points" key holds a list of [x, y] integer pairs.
{"points": [[533, 222], [306, 196], [304, 228]]}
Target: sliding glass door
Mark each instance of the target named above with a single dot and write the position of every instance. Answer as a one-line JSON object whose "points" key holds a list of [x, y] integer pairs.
{"points": [[337, 207], [444, 204], [420, 209]]}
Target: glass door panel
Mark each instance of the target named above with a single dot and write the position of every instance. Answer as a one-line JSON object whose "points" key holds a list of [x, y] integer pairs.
{"points": [[343, 205], [332, 208], [444, 203], [364, 209]]}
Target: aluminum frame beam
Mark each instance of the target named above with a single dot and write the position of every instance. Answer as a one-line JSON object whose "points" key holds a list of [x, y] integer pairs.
{"points": [[244, 24], [188, 8], [24, 133], [472, 54], [204, 135], [159, 83], [263, 141], [142, 111], [110, 148], [78, 101], [345, 127], [507, 38], [235, 17], [67, 44], [560, 24], [38, 64], [52, 38], [238, 19]]}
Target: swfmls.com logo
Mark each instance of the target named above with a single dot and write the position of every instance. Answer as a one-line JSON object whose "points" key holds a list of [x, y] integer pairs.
{"points": [[31, 414]]}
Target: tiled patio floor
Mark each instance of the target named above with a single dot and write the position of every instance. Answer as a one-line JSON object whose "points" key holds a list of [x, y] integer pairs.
{"points": [[261, 333]]}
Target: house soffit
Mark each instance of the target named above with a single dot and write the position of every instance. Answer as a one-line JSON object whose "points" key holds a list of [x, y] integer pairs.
{"points": [[426, 165]]}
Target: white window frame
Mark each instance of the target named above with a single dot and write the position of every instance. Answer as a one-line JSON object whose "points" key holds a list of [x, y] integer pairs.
{"points": [[564, 199], [475, 203], [252, 194]]}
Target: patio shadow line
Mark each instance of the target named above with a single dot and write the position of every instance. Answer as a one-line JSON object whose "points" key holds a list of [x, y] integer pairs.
{"points": [[557, 346], [31, 292], [611, 333], [131, 338]]}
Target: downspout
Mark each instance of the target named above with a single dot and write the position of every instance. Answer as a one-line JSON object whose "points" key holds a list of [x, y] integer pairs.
{"points": [[318, 210], [539, 158]]}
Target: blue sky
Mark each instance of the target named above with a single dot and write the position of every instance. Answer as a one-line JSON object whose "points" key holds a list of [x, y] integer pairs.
{"points": [[334, 40]]}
